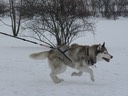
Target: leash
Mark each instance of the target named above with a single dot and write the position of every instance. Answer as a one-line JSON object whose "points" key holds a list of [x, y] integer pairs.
{"points": [[48, 45], [25, 40]]}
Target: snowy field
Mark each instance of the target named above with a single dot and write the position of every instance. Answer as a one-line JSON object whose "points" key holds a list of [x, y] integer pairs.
{"points": [[22, 76]]}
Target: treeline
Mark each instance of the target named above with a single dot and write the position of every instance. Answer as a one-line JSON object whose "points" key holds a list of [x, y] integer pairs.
{"points": [[58, 19], [96, 8]]}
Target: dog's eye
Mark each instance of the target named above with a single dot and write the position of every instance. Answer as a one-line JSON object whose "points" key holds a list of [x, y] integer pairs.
{"points": [[105, 52]]}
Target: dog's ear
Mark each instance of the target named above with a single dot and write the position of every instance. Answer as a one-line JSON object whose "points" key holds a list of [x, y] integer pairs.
{"points": [[103, 45], [99, 47]]}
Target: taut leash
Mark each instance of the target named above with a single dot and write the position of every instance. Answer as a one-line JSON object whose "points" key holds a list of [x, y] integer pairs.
{"points": [[44, 45]]}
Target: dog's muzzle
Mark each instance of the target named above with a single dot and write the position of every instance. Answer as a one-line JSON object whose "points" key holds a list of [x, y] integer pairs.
{"points": [[107, 59]]}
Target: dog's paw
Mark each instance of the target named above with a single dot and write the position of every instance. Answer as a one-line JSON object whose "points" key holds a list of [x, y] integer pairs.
{"points": [[93, 78], [76, 74], [73, 74], [58, 81]]}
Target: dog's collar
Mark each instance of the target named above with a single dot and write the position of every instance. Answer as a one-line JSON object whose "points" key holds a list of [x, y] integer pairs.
{"points": [[90, 60], [87, 51]]}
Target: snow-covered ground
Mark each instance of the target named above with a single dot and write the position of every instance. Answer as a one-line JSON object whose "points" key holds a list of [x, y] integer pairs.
{"points": [[22, 76]]}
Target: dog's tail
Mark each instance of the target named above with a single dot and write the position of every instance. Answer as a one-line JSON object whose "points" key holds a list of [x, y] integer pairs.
{"points": [[40, 55]]}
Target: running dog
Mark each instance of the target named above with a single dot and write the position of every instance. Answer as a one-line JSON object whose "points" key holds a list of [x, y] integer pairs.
{"points": [[79, 57]]}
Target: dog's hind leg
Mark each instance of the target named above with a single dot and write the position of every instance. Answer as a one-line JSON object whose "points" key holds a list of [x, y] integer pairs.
{"points": [[56, 68], [77, 73], [88, 70], [55, 78]]}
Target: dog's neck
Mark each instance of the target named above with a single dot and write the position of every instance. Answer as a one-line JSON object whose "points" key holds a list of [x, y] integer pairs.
{"points": [[92, 53]]}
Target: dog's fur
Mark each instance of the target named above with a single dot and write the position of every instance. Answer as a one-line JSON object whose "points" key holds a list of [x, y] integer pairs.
{"points": [[75, 56]]}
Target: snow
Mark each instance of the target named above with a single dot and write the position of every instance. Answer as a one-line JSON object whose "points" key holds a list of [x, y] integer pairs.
{"points": [[22, 76]]}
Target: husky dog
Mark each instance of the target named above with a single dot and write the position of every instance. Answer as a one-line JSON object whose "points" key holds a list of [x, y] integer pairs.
{"points": [[75, 56]]}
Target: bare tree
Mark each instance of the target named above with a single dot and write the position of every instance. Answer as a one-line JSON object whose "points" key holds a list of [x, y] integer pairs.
{"points": [[15, 15], [63, 20]]}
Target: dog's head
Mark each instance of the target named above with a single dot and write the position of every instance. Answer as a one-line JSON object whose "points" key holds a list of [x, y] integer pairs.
{"points": [[102, 53]]}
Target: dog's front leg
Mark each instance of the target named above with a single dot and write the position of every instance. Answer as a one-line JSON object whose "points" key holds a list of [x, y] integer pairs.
{"points": [[88, 70], [77, 73]]}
